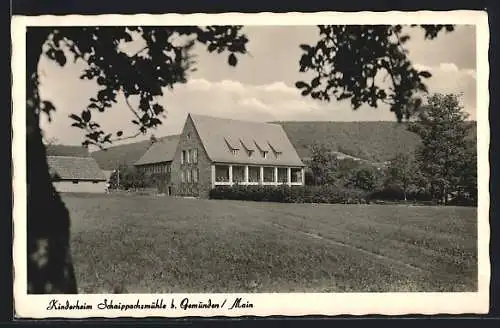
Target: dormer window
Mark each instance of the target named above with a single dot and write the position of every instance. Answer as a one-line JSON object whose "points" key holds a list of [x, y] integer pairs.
{"points": [[263, 148], [232, 145], [275, 149], [248, 146]]}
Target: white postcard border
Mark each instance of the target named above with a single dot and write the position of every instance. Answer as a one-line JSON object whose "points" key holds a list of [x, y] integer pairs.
{"points": [[36, 306]]}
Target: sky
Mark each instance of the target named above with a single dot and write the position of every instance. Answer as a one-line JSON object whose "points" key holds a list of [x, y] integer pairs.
{"points": [[260, 88]]}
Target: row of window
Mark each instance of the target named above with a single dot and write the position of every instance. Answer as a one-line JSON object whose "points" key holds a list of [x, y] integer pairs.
{"points": [[157, 168], [189, 156], [190, 175], [249, 150], [238, 174], [77, 182], [263, 153]]}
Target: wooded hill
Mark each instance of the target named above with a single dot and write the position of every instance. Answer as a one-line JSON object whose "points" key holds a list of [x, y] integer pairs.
{"points": [[372, 141]]}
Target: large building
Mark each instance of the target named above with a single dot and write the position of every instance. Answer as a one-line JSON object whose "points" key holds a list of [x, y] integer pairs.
{"points": [[214, 151], [72, 169], [157, 160]]}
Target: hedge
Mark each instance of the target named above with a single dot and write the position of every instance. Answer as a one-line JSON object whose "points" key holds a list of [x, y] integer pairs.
{"points": [[328, 194], [290, 194]]}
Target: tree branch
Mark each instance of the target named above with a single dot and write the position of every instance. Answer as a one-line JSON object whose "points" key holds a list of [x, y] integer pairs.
{"points": [[138, 52], [130, 107], [403, 50], [127, 137]]}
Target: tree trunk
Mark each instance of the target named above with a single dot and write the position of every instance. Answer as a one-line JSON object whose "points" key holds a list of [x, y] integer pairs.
{"points": [[445, 195], [49, 264]]}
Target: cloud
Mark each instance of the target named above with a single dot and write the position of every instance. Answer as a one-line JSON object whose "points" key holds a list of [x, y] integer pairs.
{"points": [[230, 86], [449, 67], [447, 77], [233, 99], [276, 100], [280, 87], [253, 103]]}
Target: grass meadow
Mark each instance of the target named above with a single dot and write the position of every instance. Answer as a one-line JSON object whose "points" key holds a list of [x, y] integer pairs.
{"points": [[150, 244]]}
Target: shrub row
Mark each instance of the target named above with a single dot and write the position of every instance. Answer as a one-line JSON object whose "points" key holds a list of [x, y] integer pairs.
{"points": [[287, 194], [321, 194]]}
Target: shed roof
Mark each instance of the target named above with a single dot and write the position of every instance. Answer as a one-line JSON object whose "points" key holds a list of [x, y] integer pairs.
{"points": [[67, 150], [74, 168], [161, 151]]}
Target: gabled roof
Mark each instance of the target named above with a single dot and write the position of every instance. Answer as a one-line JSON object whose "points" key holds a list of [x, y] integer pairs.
{"points": [[232, 143], [248, 143], [74, 168], [65, 150], [161, 151], [215, 132]]}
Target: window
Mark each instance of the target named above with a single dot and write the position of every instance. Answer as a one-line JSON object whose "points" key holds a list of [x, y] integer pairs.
{"points": [[195, 175], [187, 157], [188, 136], [183, 157], [282, 174], [234, 152], [264, 154], [238, 173], [188, 176], [194, 155], [296, 175], [183, 178], [222, 173], [269, 174], [253, 174], [278, 154], [250, 153]]}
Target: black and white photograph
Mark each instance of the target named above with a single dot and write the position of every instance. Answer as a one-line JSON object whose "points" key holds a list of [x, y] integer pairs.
{"points": [[250, 164]]}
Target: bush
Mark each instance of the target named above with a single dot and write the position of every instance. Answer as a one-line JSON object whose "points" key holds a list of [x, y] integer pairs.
{"points": [[290, 194], [396, 194]]}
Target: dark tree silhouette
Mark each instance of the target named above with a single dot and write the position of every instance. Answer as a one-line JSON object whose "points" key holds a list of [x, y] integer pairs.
{"points": [[367, 64], [144, 75], [346, 59]]}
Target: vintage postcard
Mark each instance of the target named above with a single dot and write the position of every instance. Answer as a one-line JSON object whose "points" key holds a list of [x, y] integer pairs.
{"points": [[251, 164]]}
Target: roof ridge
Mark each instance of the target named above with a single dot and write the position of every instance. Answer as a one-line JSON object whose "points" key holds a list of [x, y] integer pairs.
{"points": [[231, 119], [71, 156]]}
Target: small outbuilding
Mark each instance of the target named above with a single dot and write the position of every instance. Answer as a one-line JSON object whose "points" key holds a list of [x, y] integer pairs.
{"points": [[74, 170]]}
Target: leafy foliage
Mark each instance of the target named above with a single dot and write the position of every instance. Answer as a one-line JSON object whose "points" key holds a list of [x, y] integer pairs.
{"points": [[323, 165], [348, 62], [164, 61], [128, 177], [403, 173], [446, 153], [286, 194], [366, 178]]}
